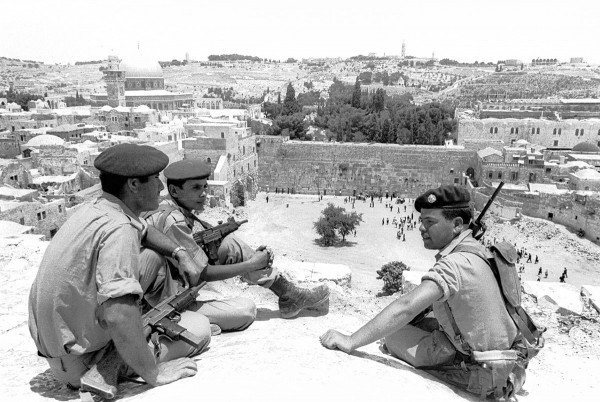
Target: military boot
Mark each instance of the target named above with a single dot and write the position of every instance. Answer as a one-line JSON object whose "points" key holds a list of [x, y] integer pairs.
{"points": [[293, 299]]}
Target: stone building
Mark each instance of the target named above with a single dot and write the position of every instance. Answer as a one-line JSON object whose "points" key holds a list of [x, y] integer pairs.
{"points": [[547, 133], [230, 148], [209, 103], [45, 216], [585, 179], [137, 81], [124, 118], [9, 146]]}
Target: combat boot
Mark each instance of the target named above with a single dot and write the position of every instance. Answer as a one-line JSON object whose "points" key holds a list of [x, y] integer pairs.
{"points": [[293, 299]]}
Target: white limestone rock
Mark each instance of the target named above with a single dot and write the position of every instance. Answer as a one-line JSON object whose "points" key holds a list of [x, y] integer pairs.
{"points": [[563, 298], [592, 294], [300, 271]]}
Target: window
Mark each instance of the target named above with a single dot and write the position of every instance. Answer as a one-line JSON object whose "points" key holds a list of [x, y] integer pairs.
{"points": [[15, 178], [576, 132], [555, 143], [113, 119], [22, 221], [499, 175], [495, 130], [554, 132], [581, 132], [514, 176], [456, 180], [490, 175], [517, 130], [548, 170], [512, 130], [244, 150], [491, 130], [537, 130], [222, 135], [60, 208], [255, 163], [532, 130], [451, 170], [559, 131], [41, 215]]}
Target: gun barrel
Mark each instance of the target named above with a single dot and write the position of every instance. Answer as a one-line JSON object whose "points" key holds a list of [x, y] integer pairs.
{"points": [[490, 202]]}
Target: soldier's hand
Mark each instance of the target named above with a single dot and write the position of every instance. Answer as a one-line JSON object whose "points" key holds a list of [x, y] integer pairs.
{"points": [[333, 339], [261, 258], [188, 268], [174, 370]]}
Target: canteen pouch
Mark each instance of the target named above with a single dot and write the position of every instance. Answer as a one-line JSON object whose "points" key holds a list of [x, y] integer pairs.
{"points": [[505, 258]]}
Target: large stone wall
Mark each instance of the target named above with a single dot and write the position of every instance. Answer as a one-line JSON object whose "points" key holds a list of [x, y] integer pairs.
{"points": [[332, 168], [506, 131]]}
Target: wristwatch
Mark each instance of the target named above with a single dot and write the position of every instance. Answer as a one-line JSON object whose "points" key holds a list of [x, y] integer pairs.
{"points": [[177, 249]]}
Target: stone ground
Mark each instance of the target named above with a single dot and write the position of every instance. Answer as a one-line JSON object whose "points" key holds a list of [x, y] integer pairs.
{"points": [[279, 359]]}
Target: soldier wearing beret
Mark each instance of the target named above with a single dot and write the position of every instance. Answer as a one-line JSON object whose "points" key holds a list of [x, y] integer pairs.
{"points": [[84, 301], [460, 284], [187, 183]]}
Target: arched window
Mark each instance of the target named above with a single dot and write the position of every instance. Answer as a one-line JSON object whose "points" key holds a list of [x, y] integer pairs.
{"points": [[576, 132], [581, 132], [512, 130], [208, 160], [495, 130], [537, 130], [532, 130], [491, 130], [517, 130], [244, 150], [554, 132], [559, 131]]}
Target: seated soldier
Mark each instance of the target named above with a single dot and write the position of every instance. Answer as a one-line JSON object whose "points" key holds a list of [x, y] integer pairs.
{"points": [[187, 183], [469, 313], [84, 301]]}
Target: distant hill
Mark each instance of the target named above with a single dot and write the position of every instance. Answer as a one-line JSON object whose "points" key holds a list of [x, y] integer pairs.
{"points": [[232, 57]]}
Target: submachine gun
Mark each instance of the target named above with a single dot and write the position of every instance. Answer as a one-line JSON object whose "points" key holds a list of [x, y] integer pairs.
{"points": [[210, 239], [102, 378], [477, 226]]}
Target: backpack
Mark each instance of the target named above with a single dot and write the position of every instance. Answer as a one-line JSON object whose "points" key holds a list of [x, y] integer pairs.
{"points": [[496, 373]]}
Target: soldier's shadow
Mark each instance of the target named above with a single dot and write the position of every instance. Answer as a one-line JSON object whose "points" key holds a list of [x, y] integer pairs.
{"points": [[45, 385], [397, 364]]}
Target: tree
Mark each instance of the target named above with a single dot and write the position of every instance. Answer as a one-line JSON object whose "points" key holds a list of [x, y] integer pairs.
{"points": [[334, 222], [391, 274], [385, 78], [356, 94], [290, 104]]}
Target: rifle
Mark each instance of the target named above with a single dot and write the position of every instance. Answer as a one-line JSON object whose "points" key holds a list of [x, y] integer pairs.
{"points": [[477, 225], [210, 239], [102, 378]]}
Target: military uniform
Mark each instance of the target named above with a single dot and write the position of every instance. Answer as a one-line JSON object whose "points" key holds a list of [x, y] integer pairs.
{"points": [[157, 275], [91, 259], [475, 301]]}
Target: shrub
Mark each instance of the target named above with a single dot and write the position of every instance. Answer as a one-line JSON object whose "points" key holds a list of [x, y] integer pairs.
{"points": [[391, 274]]}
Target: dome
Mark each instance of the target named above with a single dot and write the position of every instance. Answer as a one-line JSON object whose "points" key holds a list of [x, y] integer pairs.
{"points": [[45, 139], [586, 147], [139, 66]]}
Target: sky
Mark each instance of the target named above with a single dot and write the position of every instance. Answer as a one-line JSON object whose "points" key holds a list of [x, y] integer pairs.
{"points": [[61, 31]]}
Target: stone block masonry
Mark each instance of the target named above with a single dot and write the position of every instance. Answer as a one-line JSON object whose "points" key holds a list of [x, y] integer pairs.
{"points": [[348, 168]]}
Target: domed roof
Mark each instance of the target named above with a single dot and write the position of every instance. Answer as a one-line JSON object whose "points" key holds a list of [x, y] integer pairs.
{"points": [[45, 139], [586, 147], [140, 66]]}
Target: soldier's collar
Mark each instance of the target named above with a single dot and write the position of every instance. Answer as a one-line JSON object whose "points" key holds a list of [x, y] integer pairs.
{"points": [[452, 245]]}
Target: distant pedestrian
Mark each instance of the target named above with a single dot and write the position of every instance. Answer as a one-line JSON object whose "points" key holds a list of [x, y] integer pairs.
{"points": [[536, 259], [546, 273], [540, 271], [540, 277], [562, 278], [529, 258], [388, 221], [382, 221], [267, 199], [403, 237], [565, 273]]}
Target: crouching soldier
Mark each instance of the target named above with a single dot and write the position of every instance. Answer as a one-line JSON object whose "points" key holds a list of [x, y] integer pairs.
{"points": [[187, 184], [84, 301]]}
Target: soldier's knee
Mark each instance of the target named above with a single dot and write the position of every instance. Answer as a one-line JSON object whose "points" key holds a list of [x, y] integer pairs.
{"points": [[198, 325], [245, 313]]}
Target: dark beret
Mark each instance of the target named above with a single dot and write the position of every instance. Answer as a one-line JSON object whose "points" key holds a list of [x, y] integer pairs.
{"points": [[130, 160], [188, 169], [446, 197]]}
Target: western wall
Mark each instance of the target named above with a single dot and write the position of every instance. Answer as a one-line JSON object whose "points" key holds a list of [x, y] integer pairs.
{"points": [[549, 133], [349, 168]]}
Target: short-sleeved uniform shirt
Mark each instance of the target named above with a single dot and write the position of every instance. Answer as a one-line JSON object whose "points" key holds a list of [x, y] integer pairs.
{"points": [[178, 225], [474, 296], [92, 258]]}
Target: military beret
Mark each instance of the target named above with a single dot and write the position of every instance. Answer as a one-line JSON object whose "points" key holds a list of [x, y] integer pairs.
{"points": [[188, 169], [130, 160], [445, 197]]}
